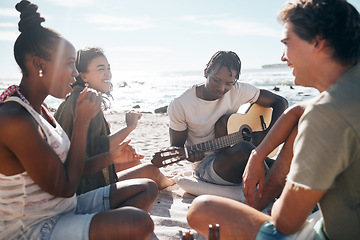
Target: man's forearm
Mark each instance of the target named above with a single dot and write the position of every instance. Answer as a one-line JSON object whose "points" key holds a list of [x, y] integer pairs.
{"points": [[274, 183]]}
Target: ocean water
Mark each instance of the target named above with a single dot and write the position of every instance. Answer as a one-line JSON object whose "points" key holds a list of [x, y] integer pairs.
{"points": [[149, 91]]}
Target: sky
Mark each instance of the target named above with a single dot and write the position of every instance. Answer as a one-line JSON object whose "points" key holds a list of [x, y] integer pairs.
{"points": [[145, 36]]}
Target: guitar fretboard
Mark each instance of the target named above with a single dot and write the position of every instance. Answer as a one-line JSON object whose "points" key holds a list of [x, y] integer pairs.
{"points": [[218, 143]]}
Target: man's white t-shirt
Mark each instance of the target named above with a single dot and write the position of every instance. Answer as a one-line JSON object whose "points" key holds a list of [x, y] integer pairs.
{"points": [[199, 116]]}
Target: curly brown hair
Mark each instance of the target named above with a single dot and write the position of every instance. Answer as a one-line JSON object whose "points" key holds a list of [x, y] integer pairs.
{"points": [[336, 21]]}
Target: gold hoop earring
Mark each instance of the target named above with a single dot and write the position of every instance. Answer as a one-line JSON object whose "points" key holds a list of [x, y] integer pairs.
{"points": [[87, 84], [40, 73]]}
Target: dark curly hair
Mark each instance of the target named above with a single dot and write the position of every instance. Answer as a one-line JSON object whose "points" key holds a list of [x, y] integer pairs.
{"points": [[336, 21], [227, 59], [34, 39]]}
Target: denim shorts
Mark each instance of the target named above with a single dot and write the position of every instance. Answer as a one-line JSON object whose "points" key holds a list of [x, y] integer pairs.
{"points": [[77, 225], [312, 229], [205, 172]]}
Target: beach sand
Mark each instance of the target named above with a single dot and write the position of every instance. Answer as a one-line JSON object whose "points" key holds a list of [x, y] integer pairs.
{"points": [[170, 209]]}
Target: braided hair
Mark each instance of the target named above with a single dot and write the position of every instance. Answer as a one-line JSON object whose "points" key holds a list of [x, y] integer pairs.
{"points": [[227, 59], [34, 39]]}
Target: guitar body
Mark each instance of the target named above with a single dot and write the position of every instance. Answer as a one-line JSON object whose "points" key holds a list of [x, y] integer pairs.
{"points": [[229, 130], [255, 118], [252, 118]]}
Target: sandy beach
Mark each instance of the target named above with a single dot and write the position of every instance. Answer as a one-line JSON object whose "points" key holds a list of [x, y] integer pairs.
{"points": [[169, 211]]}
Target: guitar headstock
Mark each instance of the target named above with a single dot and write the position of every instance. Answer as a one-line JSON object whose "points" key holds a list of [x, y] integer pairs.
{"points": [[169, 156]]}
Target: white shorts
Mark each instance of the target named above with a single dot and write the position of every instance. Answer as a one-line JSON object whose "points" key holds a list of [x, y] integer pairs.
{"points": [[205, 172]]}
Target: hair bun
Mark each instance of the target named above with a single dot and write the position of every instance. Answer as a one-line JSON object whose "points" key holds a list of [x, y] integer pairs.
{"points": [[29, 18]]}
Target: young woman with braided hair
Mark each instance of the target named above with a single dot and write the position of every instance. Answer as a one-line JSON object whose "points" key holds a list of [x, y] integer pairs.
{"points": [[40, 169]]}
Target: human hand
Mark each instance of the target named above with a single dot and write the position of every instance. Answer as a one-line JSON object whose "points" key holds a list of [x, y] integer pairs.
{"points": [[257, 137], [88, 105], [125, 153], [131, 155], [253, 177], [132, 118], [196, 155]]}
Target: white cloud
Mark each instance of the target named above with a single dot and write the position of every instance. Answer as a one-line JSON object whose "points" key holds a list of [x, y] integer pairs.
{"points": [[71, 3], [190, 18], [245, 28], [147, 49], [9, 12], [8, 25], [202, 19], [233, 27], [8, 36], [114, 23]]}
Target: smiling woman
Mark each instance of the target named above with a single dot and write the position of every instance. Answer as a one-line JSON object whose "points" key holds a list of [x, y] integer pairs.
{"points": [[94, 72], [40, 168]]}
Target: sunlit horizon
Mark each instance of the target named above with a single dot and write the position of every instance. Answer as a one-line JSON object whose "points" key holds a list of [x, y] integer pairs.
{"points": [[144, 37]]}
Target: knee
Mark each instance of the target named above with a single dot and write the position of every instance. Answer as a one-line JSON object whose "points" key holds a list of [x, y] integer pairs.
{"points": [[127, 222], [144, 227], [235, 158], [146, 187], [244, 148], [151, 189], [199, 210], [140, 224], [151, 169]]}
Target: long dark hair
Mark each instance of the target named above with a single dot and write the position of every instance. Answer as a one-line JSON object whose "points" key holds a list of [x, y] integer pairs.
{"points": [[83, 59]]}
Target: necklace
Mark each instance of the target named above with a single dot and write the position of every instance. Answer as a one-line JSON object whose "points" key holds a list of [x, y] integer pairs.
{"points": [[15, 88], [10, 91]]}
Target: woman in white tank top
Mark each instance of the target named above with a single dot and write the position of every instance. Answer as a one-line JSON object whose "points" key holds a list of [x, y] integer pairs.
{"points": [[40, 169]]}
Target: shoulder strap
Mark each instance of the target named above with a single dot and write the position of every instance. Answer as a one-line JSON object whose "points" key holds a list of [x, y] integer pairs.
{"points": [[38, 118]]}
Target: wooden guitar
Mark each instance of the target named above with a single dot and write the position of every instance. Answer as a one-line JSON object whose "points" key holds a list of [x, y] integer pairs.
{"points": [[229, 130]]}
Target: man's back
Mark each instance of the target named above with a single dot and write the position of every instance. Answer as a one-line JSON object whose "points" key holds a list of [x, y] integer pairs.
{"points": [[332, 156]]}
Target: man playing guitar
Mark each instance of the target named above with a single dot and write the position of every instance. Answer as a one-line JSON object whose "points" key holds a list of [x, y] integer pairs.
{"points": [[193, 116]]}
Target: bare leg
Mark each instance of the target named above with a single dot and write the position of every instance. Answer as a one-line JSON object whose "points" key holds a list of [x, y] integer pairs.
{"points": [[130, 201], [124, 223], [146, 170], [123, 166], [140, 193], [230, 164], [237, 220]]}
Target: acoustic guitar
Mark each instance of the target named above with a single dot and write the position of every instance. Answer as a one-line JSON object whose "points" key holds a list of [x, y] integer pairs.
{"points": [[229, 130]]}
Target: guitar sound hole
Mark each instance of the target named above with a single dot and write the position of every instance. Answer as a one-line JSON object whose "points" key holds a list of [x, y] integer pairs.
{"points": [[246, 134]]}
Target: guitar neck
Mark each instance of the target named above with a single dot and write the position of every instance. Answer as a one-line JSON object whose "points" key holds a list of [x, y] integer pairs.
{"points": [[217, 143]]}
